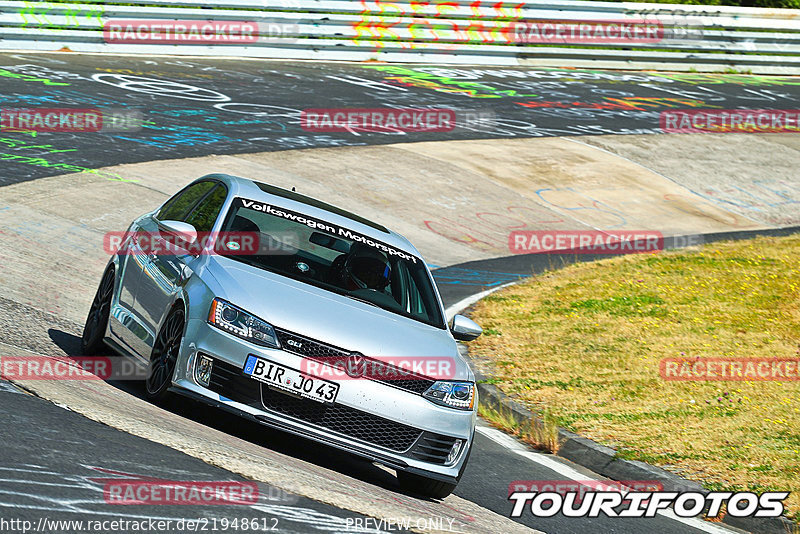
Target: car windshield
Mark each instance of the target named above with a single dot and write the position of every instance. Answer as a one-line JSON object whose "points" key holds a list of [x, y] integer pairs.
{"points": [[333, 258]]}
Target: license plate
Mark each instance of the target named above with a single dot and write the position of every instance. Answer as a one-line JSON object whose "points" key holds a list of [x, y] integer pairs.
{"points": [[290, 380]]}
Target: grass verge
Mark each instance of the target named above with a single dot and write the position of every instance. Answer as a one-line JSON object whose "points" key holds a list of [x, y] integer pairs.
{"points": [[540, 433], [584, 343]]}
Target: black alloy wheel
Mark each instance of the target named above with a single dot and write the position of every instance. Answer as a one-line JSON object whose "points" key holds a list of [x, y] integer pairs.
{"points": [[95, 328], [165, 356]]}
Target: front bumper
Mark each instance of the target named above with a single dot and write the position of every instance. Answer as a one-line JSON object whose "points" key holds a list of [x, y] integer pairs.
{"points": [[384, 423]]}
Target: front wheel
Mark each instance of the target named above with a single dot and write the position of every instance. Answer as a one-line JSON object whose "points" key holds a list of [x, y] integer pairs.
{"points": [[164, 356], [426, 487], [96, 323]]}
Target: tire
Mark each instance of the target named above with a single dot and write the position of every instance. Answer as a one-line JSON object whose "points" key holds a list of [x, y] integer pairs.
{"points": [[164, 356], [97, 321], [423, 486]]}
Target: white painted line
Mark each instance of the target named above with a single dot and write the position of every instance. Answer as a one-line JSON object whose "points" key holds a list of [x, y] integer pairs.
{"points": [[501, 438], [472, 299], [8, 386], [37, 471], [568, 472], [39, 483]]}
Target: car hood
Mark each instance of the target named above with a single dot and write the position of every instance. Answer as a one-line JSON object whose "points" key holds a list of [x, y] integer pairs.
{"points": [[332, 318]]}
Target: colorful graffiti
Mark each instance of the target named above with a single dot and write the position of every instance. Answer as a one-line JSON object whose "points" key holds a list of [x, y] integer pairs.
{"points": [[27, 78], [443, 84], [385, 22], [37, 160], [738, 79], [42, 162], [639, 103], [758, 195], [35, 14], [473, 277], [198, 106]]}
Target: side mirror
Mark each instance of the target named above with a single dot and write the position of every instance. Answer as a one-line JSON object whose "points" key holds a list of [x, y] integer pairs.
{"points": [[464, 328], [183, 231]]}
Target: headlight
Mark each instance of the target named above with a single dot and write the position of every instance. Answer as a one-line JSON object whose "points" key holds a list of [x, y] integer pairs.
{"points": [[460, 395], [238, 322]]}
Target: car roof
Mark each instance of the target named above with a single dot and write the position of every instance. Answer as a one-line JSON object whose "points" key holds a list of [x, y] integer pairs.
{"points": [[292, 200]]}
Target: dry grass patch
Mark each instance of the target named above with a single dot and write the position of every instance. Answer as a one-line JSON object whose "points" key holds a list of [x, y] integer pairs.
{"points": [[541, 433], [585, 343]]}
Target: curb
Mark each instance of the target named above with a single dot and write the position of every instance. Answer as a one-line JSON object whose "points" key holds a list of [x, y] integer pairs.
{"points": [[603, 460], [599, 458]]}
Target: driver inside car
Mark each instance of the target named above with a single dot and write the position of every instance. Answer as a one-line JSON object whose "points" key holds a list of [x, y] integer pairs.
{"points": [[366, 268]]}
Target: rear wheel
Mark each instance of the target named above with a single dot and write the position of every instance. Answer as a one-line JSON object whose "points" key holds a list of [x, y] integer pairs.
{"points": [[426, 487], [164, 356], [96, 323]]}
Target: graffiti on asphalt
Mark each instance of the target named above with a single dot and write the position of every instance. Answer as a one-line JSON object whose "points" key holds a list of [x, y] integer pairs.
{"points": [[193, 107], [27, 78], [472, 277], [33, 156]]}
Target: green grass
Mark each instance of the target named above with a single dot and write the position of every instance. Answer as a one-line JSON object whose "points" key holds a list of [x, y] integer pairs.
{"points": [[584, 343]]}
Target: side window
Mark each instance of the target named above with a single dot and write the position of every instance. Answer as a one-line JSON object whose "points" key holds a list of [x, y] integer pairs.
{"points": [[178, 206], [415, 304], [206, 213]]}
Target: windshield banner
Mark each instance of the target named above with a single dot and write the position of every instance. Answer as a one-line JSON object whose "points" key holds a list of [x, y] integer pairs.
{"points": [[324, 226]]}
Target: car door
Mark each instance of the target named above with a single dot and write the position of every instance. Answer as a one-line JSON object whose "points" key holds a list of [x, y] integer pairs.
{"points": [[168, 268], [131, 263]]}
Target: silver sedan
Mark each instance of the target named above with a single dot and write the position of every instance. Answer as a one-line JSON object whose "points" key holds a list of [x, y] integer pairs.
{"points": [[298, 315]]}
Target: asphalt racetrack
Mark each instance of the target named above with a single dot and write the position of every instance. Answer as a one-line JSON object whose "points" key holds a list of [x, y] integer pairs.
{"points": [[195, 107], [60, 190]]}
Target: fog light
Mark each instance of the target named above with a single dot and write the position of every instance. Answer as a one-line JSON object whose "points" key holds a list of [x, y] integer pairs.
{"points": [[202, 370], [456, 448]]}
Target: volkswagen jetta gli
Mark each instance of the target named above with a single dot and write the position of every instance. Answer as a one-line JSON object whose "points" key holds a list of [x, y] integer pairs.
{"points": [[296, 314]]}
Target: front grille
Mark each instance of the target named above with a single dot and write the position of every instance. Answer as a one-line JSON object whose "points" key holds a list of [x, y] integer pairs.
{"points": [[228, 381], [325, 353], [308, 347], [432, 448], [343, 420]]}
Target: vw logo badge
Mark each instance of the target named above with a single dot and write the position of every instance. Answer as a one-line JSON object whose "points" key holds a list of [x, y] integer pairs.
{"points": [[356, 365]]}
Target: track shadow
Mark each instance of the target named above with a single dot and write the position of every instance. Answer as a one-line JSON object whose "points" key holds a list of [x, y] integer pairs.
{"points": [[69, 343], [276, 440]]}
